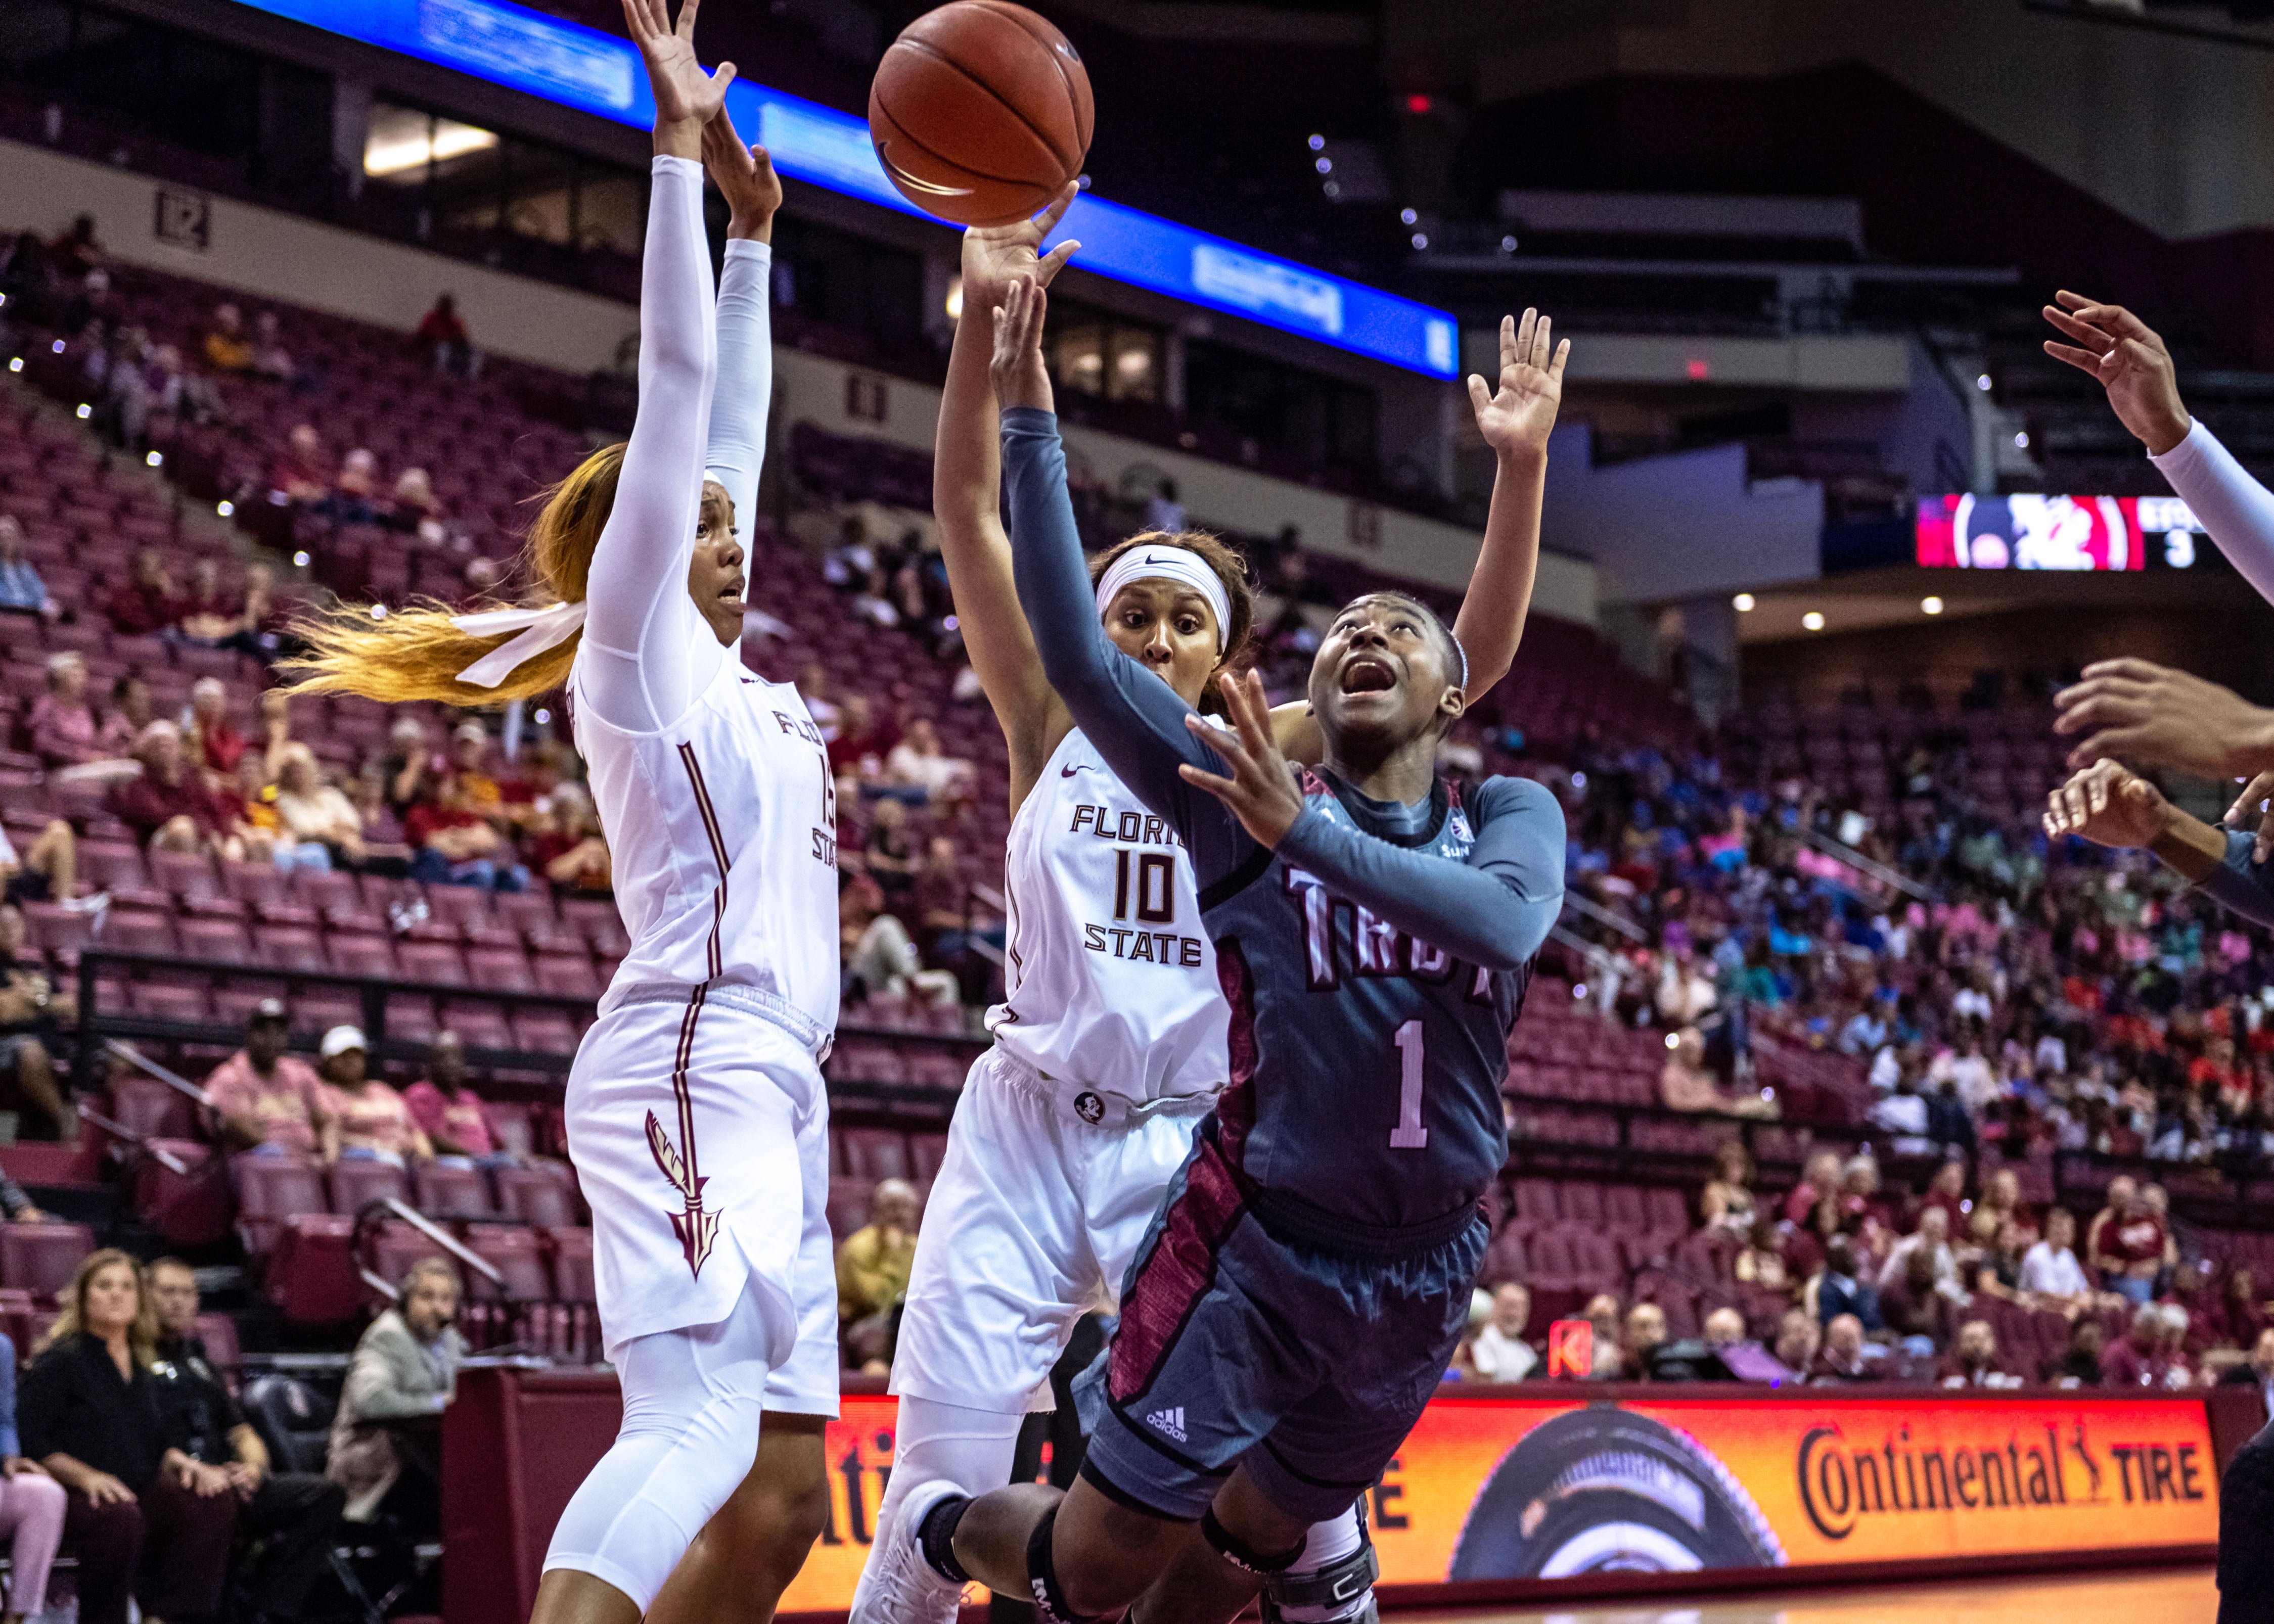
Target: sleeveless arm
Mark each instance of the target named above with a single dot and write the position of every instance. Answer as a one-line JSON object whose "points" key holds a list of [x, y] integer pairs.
{"points": [[2235, 509], [743, 394], [1492, 910], [1136, 720], [647, 653]]}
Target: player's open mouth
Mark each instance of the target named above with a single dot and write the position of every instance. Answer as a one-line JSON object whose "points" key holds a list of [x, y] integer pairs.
{"points": [[1365, 674], [731, 593]]}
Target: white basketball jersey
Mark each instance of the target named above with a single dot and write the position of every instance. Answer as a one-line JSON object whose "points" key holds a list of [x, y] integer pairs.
{"points": [[723, 829], [1112, 976]]}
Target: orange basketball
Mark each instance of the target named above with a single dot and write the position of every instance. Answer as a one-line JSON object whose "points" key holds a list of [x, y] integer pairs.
{"points": [[980, 112]]}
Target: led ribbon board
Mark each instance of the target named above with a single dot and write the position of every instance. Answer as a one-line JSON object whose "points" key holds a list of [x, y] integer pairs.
{"points": [[600, 73]]}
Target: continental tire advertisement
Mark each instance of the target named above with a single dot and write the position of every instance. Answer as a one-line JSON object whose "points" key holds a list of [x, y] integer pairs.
{"points": [[1556, 1488], [1519, 1489]]}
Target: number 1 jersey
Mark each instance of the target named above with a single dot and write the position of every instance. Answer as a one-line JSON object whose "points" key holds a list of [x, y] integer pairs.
{"points": [[1366, 1064]]}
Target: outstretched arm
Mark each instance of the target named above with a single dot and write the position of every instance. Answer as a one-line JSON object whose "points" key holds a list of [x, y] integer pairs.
{"points": [[966, 480], [2127, 357], [1136, 720], [1515, 421], [744, 391], [1493, 910], [645, 639]]}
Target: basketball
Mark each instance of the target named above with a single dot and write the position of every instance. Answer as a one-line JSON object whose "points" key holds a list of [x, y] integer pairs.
{"points": [[980, 112]]}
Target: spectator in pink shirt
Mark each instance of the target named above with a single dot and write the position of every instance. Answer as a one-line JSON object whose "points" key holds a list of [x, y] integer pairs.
{"points": [[456, 1119], [62, 721], [268, 1100], [366, 1120]]}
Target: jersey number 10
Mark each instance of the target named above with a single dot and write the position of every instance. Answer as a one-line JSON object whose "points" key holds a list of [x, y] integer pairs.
{"points": [[1156, 886]]}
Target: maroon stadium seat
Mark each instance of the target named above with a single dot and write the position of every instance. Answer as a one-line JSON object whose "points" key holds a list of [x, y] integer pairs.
{"points": [[447, 1191], [188, 1209], [312, 1276], [572, 1266], [539, 1194], [151, 1110], [272, 1189], [356, 1182], [875, 1154], [517, 1255], [218, 1332], [41, 1258]]}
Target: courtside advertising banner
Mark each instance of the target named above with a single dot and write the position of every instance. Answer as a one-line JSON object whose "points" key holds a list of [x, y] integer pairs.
{"points": [[1541, 1483]]}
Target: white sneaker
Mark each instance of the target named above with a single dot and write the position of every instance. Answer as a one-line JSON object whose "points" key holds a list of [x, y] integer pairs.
{"points": [[898, 1586]]}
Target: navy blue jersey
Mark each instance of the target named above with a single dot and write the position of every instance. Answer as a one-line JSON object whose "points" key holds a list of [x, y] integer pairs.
{"points": [[1374, 961]]}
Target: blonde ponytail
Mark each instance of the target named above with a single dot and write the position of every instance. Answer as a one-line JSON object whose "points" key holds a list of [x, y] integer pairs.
{"points": [[415, 653]]}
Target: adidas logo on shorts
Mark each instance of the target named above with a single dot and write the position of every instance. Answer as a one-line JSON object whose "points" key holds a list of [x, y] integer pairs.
{"points": [[1169, 1421]]}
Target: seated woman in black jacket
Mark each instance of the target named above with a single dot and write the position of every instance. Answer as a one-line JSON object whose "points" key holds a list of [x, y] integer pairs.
{"points": [[143, 1518]]}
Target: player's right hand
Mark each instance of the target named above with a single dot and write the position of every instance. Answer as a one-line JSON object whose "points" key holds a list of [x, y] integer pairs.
{"points": [[2127, 357], [994, 257]]}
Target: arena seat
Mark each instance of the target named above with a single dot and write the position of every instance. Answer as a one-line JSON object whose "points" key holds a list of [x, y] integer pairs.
{"points": [[151, 1110], [517, 1255], [187, 1210], [876, 1154], [356, 1181], [572, 1266], [41, 1258], [539, 1195], [447, 1191], [310, 1275], [269, 1191], [292, 1419]]}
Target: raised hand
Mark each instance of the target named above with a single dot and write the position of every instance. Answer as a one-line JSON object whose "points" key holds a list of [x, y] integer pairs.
{"points": [[2124, 354], [1260, 791], [2108, 805], [686, 96], [994, 257], [745, 177], [1516, 419], [2160, 718], [1020, 376]]}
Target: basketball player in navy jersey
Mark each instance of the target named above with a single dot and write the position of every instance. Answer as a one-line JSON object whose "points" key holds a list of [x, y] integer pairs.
{"points": [[1308, 1278]]}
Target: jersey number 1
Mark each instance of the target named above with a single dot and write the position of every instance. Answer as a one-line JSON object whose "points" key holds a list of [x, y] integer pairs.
{"points": [[1409, 1134]]}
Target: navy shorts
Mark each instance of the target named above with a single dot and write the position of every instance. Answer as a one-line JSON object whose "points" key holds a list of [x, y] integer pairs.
{"points": [[1309, 1365]]}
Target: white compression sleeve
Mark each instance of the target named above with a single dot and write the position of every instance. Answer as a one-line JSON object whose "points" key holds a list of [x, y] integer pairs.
{"points": [[692, 1400], [2235, 509], [744, 393], [647, 652], [934, 1443]]}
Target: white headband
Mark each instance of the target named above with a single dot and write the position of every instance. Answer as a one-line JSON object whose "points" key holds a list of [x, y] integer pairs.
{"points": [[540, 629], [1169, 563]]}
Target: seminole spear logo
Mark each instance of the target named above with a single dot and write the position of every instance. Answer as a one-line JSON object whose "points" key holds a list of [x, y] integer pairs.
{"points": [[696, 1230]]}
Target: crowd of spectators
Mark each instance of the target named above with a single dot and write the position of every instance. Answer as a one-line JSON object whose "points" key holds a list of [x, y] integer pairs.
{"points": [[124, 1449]]}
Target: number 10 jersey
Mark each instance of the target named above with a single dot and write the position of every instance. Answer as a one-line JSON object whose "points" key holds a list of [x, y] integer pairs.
{"points": [[1111, 979]]}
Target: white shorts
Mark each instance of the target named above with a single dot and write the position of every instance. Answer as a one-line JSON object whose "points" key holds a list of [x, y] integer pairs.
{"points": [[700, 1132], [1032, 1223]]}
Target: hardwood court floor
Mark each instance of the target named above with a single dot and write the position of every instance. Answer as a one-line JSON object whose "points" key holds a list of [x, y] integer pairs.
{"points": [[2185, 1596]]}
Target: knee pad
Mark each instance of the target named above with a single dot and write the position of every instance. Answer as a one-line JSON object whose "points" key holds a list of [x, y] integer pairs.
{"points": [[1228, 1545]]}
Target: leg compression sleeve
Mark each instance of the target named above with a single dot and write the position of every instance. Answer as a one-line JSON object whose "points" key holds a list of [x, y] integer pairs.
{"points": [[692, 1398], [944, 1443]]}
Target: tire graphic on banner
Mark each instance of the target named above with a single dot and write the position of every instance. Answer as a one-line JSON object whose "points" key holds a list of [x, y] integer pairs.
{"points": [[1603, 1490]]}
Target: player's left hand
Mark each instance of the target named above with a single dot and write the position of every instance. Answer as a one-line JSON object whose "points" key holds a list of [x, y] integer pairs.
{"points": [[745, 177], [1260, 791], [1516, 419]]}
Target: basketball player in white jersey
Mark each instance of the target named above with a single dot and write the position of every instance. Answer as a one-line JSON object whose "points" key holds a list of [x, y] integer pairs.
{"points": [[1112, 1040], [698, 1117]]}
